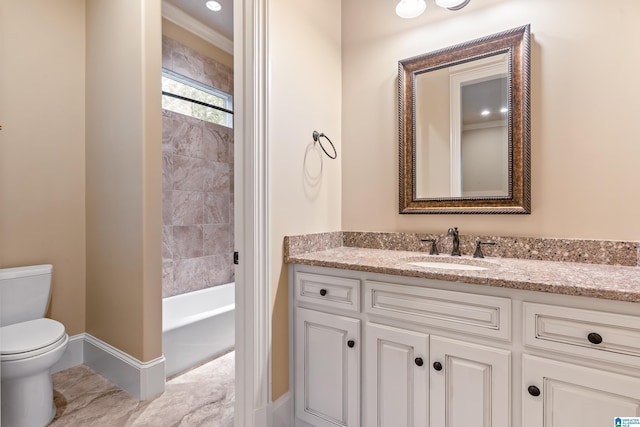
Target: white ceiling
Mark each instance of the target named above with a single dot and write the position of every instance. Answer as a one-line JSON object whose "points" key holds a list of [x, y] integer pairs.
{"points": [[490, 95], [220, 22]]}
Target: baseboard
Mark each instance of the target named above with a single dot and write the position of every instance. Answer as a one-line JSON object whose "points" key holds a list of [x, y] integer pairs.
{"points": [[73, 355], [141, 380], [282, 411]]}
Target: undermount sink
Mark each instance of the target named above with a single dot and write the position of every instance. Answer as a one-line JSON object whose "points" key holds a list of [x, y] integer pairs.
{"points": [[447, 265], [450, 263]]}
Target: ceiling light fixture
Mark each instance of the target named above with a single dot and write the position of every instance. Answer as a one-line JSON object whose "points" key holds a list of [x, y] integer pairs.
{"points": [[414, 8], [504, 109], [410, 8], [452, 4], [485, 112], [213, 5]]}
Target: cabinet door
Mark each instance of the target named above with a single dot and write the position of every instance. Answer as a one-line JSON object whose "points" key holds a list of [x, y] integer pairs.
{"points": [[471, 385], [575, 396], [396, 380], [327, 369]]}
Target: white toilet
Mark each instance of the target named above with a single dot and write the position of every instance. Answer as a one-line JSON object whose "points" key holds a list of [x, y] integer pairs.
{"points": [[29, 346]]}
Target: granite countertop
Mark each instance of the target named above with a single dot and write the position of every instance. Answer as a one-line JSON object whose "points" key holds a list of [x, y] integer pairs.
{"points": [[621, 283]]}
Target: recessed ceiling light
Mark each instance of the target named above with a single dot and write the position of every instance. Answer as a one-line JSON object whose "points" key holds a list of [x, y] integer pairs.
{"points": [[485, 112], [504, 109], [213, 5]]}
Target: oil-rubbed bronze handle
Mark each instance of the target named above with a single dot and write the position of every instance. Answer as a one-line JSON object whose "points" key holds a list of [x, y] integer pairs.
{"points": [[323, 292], [478, 253], [594, 338], [419, 361], [533, 391], [351, 343], [437, 366]]}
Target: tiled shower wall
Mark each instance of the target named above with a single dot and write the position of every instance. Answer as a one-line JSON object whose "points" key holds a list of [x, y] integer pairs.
{"points": [[197, 184]]}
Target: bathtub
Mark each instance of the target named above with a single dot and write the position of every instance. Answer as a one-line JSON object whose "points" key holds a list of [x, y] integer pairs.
{"points": [[197, 326]]}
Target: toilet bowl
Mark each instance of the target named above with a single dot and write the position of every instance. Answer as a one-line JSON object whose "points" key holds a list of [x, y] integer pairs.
{"points": [[28, 347]]}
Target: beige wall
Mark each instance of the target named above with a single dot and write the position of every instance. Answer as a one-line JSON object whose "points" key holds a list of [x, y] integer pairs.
{"points": [[305, 194], [201, 46], [123, 157], [102, 232], [585, 153], [42, 188]]}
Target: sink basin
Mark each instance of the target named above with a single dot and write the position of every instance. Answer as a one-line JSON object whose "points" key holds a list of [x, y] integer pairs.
{"points": [[446, 265], [449, 263]]}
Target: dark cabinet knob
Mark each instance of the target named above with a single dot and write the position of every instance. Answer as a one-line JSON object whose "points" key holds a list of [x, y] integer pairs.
{"points": [[351, 343], [594, 338], [419, 361], [323, 292], [533, 390], [437, 366]]}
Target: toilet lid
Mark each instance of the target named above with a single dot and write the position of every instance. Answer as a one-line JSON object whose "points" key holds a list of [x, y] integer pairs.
{"points": [[29, 336]]}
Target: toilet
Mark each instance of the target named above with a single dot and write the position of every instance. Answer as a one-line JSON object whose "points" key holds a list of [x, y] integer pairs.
{"points": [[30, 345]]}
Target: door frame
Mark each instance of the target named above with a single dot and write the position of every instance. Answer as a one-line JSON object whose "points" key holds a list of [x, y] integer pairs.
{"points": [[252, 237]]}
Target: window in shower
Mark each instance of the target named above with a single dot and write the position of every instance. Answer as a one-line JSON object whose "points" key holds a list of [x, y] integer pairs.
{"points": [[186, 96]]}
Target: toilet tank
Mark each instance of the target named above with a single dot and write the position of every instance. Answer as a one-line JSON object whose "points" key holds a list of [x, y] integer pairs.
{"points": [[24, 293]]}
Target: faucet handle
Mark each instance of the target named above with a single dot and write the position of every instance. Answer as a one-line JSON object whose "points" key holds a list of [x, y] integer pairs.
{"points": [[434, 248], [478, 252]]}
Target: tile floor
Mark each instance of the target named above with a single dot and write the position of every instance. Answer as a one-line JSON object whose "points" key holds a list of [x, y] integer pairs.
{"points": [[203, 396]]}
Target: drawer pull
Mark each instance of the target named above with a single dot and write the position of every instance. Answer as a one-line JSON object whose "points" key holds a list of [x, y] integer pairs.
{"points": [[419, 361], [323, 292], [437, 366], [533, 391], [351, 343], [594, 338]]}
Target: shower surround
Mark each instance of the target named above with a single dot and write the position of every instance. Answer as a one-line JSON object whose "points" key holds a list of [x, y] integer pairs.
{"points": [[197, 184]]}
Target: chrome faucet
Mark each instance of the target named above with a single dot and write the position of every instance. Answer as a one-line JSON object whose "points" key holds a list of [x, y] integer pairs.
{"points": [[456, 241]]}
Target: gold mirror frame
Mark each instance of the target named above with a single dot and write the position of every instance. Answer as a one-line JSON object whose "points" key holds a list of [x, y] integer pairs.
{"points": [[515, 43]]}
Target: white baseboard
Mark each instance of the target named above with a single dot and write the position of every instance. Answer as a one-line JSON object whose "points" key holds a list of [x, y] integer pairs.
{"points": [[282, 411], [142, 380], [73, 355]]}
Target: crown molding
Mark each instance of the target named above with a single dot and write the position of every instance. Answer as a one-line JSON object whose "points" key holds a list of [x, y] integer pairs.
{"points": [[178, 17]]}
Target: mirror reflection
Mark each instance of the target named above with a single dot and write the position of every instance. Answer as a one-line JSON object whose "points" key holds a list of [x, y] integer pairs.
{"points": [[464, 127], [462, 140]]}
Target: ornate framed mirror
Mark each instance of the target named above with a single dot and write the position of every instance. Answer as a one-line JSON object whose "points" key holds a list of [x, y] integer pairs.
{"points": [[465, 128]]}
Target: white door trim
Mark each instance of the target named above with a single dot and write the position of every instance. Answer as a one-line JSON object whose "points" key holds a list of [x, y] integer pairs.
{"points": [[253, 289]]}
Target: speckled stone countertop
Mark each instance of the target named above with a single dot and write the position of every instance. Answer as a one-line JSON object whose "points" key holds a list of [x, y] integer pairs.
{"points": [[614, 282]]}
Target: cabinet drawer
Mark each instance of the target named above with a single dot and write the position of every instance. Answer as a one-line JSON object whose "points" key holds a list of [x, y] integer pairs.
{"points": [[328, 291], [589, 333], [471, 313]]}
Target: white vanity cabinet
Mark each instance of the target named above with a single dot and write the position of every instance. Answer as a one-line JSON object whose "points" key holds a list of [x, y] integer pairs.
{"points": [[396, 380], [567, 394], [572, 394], [378, 350], [472, 388], [327, 351], [410, 376], [438, 380], [413, 379], [327, 369]]}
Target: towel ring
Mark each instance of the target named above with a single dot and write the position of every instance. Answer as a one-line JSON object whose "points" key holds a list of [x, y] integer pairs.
{"points": [[316, 138]]}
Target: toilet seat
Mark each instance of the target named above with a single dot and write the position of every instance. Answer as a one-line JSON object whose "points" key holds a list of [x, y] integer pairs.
{"points": [[28, 339]]}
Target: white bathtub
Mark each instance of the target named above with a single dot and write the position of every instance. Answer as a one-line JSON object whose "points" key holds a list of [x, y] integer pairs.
{"points": [[197, 326]]}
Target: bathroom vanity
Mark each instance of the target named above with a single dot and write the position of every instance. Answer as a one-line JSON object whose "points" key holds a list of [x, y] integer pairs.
{"points": [[379, 339]]}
